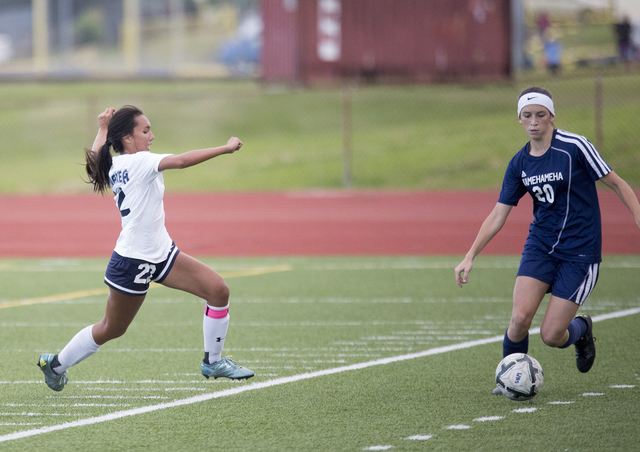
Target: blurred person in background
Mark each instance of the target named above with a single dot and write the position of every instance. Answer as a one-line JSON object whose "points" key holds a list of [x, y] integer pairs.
{"points": [[144, 251], [623, 31], [552, 50], [562, 253], [635, 42], [542, 23]]}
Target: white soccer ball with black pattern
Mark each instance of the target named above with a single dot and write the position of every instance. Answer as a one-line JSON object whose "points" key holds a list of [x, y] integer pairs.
{"points": [[519, 376]]}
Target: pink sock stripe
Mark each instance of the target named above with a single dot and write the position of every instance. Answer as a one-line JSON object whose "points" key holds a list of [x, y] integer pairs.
{"points": [[215, 314]]}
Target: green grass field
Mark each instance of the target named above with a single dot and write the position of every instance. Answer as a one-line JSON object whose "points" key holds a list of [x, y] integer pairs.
{"points": [[314, 330], [438, 137]]}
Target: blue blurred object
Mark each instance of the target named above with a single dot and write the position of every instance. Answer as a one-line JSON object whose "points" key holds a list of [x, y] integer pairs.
{"points": [[237, 51], [242, 52]]}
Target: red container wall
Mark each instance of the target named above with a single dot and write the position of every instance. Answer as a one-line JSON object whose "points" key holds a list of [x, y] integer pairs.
{"points": [[311, 66], [412, 40], [280, 41]]}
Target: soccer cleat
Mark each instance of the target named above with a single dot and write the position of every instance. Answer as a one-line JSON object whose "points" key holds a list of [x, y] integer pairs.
{"points": [[585, 346], [226, 367], [53, 380], [497, 391]]}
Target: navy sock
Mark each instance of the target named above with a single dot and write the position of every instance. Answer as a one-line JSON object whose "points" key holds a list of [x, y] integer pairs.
{"points": [[577, 329], [509, 347]]}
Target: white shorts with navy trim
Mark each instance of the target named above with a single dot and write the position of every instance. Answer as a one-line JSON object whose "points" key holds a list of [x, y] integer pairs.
{"points": [[132, 276]]}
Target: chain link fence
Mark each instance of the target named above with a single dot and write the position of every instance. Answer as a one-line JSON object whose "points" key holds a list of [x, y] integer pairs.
{"points": [[363, 136], [433, 137]]}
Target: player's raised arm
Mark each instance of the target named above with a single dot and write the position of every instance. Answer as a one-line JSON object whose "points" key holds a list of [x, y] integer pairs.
{"points": [[103, 127], [192, 158], [490, 227]]}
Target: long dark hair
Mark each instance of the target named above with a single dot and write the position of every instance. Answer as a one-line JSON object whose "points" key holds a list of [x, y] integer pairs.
{"points": [[98, 164]]}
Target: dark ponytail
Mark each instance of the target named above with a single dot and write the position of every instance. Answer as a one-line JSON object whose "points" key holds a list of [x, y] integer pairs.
{"points": [[99, 163], [98, 166]]}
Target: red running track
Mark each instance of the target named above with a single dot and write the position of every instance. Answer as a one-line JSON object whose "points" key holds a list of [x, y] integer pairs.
{"points": [[290, 223]]}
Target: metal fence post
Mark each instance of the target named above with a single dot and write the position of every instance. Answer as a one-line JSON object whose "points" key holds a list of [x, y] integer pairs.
{"points": [[598, 112], [346, 137], [40, 17]]}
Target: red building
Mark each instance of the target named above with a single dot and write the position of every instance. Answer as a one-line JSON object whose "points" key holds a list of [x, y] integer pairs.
{"points": [[405, 40]]}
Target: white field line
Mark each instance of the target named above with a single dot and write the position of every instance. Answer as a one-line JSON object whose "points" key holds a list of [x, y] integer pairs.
{"points": [[280, 381]]}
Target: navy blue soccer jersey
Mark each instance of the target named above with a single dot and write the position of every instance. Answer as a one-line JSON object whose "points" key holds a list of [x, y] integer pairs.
{"points": [[561, 182]]}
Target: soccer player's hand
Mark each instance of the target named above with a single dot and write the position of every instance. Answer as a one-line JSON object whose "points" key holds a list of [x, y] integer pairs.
{"points": [[105, 117], [234, 144], [462, 271]]}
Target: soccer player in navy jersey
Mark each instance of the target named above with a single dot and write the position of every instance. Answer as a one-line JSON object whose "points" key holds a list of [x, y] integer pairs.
{"points": [[562, 252]]}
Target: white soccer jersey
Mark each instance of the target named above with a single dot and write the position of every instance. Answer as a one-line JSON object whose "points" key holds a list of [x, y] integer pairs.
{"points": [[139, 188]]}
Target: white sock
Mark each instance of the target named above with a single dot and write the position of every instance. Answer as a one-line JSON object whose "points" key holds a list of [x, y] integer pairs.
{"points": [[214, 329], [80, 347]]}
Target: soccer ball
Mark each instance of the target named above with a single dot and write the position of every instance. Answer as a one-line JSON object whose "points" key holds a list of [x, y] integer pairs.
{"points": [[519, 376]]}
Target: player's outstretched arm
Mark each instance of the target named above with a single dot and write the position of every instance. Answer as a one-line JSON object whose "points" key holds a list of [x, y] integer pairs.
{"points": [[624, 192], [192, 158], [490, 227], [103, 127]]}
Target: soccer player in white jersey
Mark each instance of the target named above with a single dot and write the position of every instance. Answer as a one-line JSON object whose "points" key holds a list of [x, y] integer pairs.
{"points": [[563, 249], [144, 251]]}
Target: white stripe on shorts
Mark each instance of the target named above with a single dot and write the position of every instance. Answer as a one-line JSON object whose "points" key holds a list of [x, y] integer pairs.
{"points": [[123, 289], [170, 259], [587, 286]]}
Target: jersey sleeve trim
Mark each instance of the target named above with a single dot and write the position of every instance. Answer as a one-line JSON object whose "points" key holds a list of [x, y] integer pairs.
{"points": [[590, 153]]}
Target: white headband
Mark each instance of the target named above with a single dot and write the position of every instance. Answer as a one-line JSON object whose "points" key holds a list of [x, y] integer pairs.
{"points": [[535, 99]]}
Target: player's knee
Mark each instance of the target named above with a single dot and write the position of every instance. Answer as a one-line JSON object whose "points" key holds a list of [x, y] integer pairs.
{"points": [[118, 331], [552, 338], [218, 293], [106, 331], [223, 291], [520, 322]]}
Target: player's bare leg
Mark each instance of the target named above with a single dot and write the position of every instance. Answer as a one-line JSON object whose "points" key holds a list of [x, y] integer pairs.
{"points": [[120, 311], [527, 295], [557, 317], [561, 327], [192, 276]]}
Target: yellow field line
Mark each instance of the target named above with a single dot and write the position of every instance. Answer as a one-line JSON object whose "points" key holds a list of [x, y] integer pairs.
{"points": [[257, 271], [52, 298], [87, 293]]}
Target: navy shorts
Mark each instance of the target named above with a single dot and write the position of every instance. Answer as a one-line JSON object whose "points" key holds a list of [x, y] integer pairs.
{"points": [[132, 276], [572, 281]]}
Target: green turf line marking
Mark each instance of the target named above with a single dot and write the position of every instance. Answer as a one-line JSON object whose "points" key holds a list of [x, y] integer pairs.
{"points": [[88, 293]]}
